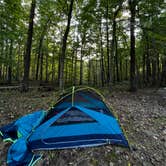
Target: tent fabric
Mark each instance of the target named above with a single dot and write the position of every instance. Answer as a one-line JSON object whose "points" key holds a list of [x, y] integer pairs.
{"points": [[80, 118], [19, 153]]}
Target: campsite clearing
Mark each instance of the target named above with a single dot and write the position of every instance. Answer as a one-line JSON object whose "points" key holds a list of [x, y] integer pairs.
{"points": [[142, 115]]}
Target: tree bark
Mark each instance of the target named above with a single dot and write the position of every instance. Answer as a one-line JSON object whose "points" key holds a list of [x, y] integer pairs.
{"points": [[18, 64], [63, 51], [81, 60], [143, 66], [10, 63], [41, 67], [72, 66], [89, 71], [154, 71], [27, 56], [132, 5], [53, 65], [108, 51], [75, 69], [114, 53], [101, 56], [116, 60], [47, 67], [148, 66], [163, 74], [126, 69]]}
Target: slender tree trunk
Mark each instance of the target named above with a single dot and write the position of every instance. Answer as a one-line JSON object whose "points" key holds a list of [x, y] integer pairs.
{"points": [[148, 67], [63, 51], [53, 66], [2, 56], [27, 56], [102, 56], [158, 67], [144, 70], [10, 63], [114, 52], [154, 71], [94, 73], [132, 5], [108, 51], [148, 63], [116, 59], [38, 59], [47, 67], [72, 67], [121, 70], [6, 57], [89, 71], [41, 67], [1, 72], [81, 69], [75, 69], [81, 59], [163, 74], [18, 64], [126, 71], [96, 61], [113, 47], [45, 27]]}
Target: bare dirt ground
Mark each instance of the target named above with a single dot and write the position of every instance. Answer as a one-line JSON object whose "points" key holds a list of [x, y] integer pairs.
{"points": [[142, 115]]}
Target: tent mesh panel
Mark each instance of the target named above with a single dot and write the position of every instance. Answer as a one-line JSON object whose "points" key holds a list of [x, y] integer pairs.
{"points": [[73, 116]]}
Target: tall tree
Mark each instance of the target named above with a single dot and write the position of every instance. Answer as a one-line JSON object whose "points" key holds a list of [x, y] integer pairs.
{"points": [[63, 49], [114, 43], [27, 56], [132, 7]]}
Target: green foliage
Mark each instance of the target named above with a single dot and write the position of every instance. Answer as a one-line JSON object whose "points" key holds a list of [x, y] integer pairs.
{"points": [[89, 16]]}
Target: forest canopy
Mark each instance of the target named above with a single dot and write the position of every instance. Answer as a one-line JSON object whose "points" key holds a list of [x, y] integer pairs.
{"points": [[83, 42]]}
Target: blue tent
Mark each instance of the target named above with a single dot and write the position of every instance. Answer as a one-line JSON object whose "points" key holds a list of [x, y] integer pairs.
{"points": [[80, 118]]}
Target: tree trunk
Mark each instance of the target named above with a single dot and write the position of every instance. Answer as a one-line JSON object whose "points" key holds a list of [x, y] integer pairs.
{"points": [[126, 69], [6, 57], [158, 67], [41, 67], [10, 63], [47, 67], [108, 51], [163, 75], [116, 60], [154, 71], [75, 69], [132, 5], [27, 56], [72, 66], [102, 56], [94, 73], [121, 70], [45, 27], [89, 71], [114, 53], [143, 66], [148, 67], [18, 64], [63, 51], [81, 67], [66, 71], [53, 66], [2, 56]]}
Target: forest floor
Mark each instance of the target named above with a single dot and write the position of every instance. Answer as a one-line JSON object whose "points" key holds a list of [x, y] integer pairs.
{"points": [[142, 115]]}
